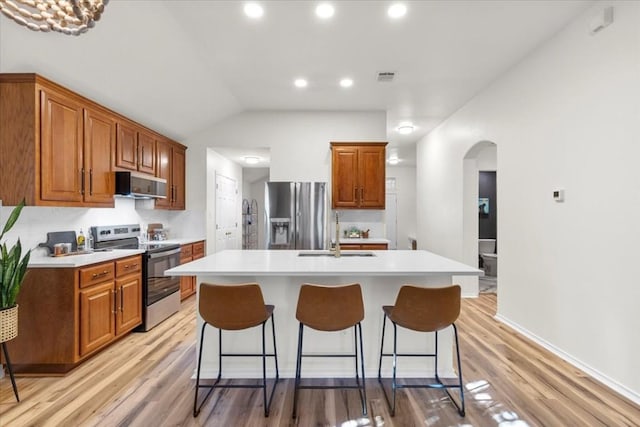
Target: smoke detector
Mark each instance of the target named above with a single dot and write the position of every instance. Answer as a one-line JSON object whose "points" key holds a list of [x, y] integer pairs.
{"points": [[386, 76]]}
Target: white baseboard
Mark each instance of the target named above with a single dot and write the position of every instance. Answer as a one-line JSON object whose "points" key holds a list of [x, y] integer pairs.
{"points": [[597, 375]]}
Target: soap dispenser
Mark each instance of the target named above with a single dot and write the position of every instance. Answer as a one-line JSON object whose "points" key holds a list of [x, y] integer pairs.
{"points": [[80, 241]]}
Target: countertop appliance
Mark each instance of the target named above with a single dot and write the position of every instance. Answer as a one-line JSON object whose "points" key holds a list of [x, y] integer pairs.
{"points": [[160, 293], [296, 215]]}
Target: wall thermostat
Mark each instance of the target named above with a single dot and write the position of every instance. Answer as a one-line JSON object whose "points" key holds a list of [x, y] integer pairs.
{"points": [[558, 195]]}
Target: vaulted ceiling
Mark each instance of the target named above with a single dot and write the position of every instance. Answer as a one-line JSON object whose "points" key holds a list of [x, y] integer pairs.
{"points": [[179, 66]]}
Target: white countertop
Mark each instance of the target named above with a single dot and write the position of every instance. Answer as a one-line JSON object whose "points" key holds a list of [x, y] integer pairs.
{"points": [[183, 241], [288, 263], [72, 261]]}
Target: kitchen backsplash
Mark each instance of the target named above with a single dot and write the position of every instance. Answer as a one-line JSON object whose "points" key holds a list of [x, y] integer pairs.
{"points": [[35, 222], [360, 219]]}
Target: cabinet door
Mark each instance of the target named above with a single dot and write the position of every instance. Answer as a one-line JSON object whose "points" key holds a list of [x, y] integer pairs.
{"points": [[127, 147], [344, 184], [371, 177], [60, 148], [99, 144], [146, 153], [129, 294], [163, 170], [350, 247], [97, 324], [178, 177]]}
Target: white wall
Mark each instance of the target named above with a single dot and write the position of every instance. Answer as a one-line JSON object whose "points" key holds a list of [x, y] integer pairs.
{"points": [[567, 116], [406, 202]]}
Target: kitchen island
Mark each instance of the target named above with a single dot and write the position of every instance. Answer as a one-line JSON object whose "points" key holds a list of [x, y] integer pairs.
{"points": [[280, 274]]}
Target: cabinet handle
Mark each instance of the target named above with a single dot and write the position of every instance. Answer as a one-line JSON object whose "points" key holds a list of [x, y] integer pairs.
{"points": [[96, 275], [142, 156], [128, 266], [91, 182], [121, 300], [115, 301], [82, 181], [361, 194]]}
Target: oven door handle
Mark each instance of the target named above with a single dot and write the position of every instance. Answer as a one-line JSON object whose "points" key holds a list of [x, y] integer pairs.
{"points": [[164, 253]]}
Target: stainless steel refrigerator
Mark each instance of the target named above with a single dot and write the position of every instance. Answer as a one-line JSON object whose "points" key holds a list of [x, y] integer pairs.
{"points": [[295, 215]]}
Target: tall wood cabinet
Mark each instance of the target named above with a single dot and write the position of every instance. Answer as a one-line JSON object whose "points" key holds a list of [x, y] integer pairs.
{"points": [[171, 160], [56, 149], [68, 314], [358, 175]]}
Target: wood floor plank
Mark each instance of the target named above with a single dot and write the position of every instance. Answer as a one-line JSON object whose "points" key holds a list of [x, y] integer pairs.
{"points": [[145, 380]]}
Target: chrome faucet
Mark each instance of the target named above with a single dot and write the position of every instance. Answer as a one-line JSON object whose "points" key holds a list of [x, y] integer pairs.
{"points": [[337, 247]]}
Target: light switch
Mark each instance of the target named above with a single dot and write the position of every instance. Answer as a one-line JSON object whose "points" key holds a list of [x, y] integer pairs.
{"points": [[558, 195]]}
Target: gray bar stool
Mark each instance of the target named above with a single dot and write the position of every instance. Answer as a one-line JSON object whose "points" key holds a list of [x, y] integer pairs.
{"points": [[423, 310], [233, 308], [331, 308]]}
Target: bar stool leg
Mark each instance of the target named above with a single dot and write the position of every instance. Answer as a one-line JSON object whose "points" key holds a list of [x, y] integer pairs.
{"points": [[395, 360], [363, 391], [13, 380], [298, 370], [275, 348], [384, 321], [264, 373]]}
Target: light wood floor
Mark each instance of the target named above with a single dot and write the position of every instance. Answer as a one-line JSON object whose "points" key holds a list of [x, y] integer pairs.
{"points": [[144, 380]]}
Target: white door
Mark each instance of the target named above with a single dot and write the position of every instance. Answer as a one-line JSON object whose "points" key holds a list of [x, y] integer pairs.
{"points": [[226, 215]]}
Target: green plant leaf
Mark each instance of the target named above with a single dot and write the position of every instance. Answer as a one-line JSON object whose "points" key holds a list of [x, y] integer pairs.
{"points": [[15, 213]]}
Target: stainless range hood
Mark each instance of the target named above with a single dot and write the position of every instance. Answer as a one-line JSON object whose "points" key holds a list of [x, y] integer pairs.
{"points": [[140, 186]]}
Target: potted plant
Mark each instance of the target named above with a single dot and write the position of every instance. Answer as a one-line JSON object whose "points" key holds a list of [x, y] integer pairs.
{"points": [[13, 267]]}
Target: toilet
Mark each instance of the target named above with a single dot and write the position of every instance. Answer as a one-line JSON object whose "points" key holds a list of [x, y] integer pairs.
{"points": [[486, 250]]}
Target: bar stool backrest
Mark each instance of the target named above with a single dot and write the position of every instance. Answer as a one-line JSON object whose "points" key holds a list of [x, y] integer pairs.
{"points": [[426, 309], [232, 307], [330, 308]]}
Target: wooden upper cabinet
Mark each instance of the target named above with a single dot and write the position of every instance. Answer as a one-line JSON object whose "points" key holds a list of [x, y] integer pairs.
{"points": [[99, 145], [170, 165], [61, 148], [146, 153], [358, 175], [135, 149]]}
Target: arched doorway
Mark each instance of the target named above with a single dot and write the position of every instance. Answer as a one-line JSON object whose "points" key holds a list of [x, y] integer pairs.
{"points": [[480, 158]]}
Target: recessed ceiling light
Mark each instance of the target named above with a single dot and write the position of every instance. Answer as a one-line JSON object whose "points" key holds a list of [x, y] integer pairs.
{"points": [[346, 82], [251, 160], [300, 83], [325, 10], [397, 10], [253, 10], [405, 128]]}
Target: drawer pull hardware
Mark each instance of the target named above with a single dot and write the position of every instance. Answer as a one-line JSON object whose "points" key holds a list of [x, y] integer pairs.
{"points": [[96, 275]]}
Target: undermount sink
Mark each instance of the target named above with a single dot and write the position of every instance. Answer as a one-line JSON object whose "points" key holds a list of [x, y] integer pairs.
{"points": [[332, 254]]}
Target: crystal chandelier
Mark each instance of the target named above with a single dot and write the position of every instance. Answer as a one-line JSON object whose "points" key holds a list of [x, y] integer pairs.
{"points": [[72, 17]]}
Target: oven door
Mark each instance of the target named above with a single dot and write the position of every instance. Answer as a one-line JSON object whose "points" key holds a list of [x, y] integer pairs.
{"points": [[159, 285]]}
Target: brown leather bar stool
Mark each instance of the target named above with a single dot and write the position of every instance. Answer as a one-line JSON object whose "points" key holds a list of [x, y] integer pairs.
{"points": [[331, 308], [423, 310], [233, 308]]}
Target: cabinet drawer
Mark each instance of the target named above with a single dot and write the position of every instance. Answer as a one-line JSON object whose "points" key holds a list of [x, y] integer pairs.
{"points": [[128, 265], [375, 247], [97, 273], [350, 247], [198, 250], [186, 251]]}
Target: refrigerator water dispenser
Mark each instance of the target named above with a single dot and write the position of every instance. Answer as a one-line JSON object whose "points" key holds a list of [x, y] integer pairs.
{"points": [[280, 231]]}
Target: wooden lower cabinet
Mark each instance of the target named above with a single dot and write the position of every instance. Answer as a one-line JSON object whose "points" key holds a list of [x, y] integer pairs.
{"points": [[364, 247], [68, 314], [188, 253]]}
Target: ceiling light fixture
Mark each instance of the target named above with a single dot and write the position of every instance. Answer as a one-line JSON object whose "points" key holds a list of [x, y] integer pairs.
{"points": [[346, 82], [253, 10], [405, 128], [393, 160], [71, 17], [300, 83], [251, 160], [397, 10], [324, 11]]}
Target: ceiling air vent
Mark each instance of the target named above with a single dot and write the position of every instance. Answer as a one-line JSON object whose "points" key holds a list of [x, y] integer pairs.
{"points": [[386, 76]]}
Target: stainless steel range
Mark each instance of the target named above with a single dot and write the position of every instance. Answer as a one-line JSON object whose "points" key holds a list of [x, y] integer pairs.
{"points": [[160, 293]]}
